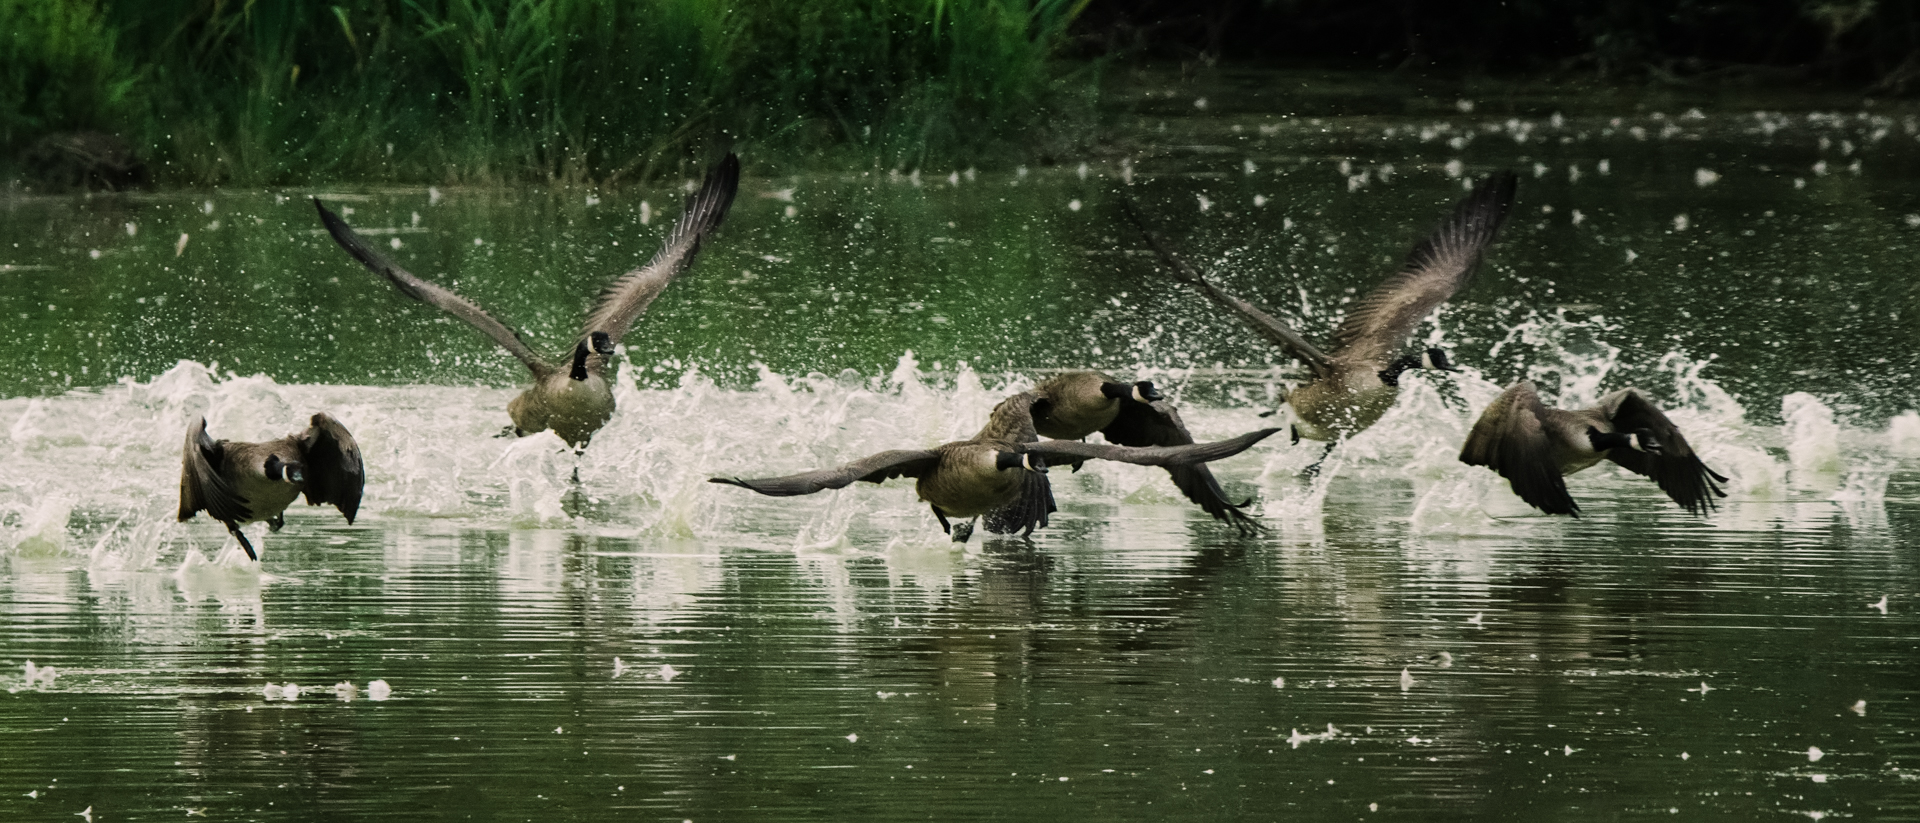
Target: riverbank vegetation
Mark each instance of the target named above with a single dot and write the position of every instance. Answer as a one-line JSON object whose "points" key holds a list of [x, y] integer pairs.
{"points": [[230, 92], [605, 92]]}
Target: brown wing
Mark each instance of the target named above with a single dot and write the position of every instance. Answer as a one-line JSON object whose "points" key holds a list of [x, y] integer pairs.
{"points": [[334, 473], [1379, 324], [883, 466], [1159, 424], [1011, 420], [1276, 332], [1148, 455], [1675, 468], [201, 486], [1511, 438], [627, 297], [429, 293], [1029, 509]]}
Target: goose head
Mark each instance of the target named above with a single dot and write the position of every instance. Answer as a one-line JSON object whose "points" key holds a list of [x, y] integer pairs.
{"points": [[1640, 440], [596, 343], [1643, 440], [1434, 358], [1140, 392], [1018, 460], [281, 471]]}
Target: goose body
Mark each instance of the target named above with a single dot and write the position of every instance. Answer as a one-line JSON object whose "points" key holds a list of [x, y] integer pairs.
{"points": [[572, 395], [993, 473], [238, 483], [1535, 446], [1076, 404], [1352, 385], [573, 408]]}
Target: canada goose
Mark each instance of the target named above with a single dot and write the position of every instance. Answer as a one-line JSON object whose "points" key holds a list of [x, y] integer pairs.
{"points": [[988, 474], [1074, 405], [1534, 446], [239, 483], [1356, 383], [573, 398]]}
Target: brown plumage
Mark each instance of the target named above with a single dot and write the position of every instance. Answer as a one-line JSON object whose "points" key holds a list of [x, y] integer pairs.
{"points": [[991, 473], [571, 395], [1351, 387], [239, 483], [1076, 404], [1534, 446]]}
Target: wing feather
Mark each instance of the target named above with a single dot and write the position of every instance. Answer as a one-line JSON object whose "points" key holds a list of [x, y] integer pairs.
{"points": [[1676, 469], [1029, 509], [1159, 424], [874, 469], [1148, 455], [1276, 332], [430, 293], [628, 296], [334, 471], [201, 486], [1439, 265], [1511, 438]]}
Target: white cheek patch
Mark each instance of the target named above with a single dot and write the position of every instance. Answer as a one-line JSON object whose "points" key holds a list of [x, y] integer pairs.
{"points": [[1139, 395], [1026, 461]]}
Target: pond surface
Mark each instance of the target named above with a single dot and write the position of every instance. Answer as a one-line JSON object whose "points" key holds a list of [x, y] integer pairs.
{"points": [[1406, 641]]}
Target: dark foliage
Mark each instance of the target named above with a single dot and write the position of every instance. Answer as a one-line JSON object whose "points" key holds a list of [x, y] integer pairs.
{"points": [[1857, 43]]}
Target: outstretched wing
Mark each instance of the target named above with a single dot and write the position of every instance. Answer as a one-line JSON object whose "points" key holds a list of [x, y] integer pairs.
{"points": [[1511, 438], [1676, 469], [201, 486], [883, 466], [1147, 455], [430, 293], [1159, 424], [1380, 323], [1276, 332], [334, 472], [626, 298]]}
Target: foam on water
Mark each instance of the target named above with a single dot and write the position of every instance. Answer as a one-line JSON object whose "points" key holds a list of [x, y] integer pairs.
{"points": [[1813, 440], [93, 475]]}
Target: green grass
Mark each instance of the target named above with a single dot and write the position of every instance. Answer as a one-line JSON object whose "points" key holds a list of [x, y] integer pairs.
{"points": [[248, 92]]}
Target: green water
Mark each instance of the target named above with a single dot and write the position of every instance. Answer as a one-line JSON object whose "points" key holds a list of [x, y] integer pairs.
{"points": [[1405, 641]]}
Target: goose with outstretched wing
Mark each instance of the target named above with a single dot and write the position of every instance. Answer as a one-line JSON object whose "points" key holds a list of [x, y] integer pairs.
{"points": [[1352, 384], [239, 483], [573, 395], [1534, 446], [993, 472]]}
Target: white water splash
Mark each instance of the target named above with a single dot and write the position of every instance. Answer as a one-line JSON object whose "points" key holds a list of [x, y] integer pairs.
{"points": [[1813, 440]]}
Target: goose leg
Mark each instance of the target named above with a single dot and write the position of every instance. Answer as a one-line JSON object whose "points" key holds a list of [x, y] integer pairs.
{"points": [[945, 527], [1314, 470], [235, 529]]}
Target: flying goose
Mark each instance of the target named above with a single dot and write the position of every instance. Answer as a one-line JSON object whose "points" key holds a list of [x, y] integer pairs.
{"points": [[572, 397], [240, 483], [1534, 446], [990, 473], [1354, 384], [1076, 404]]}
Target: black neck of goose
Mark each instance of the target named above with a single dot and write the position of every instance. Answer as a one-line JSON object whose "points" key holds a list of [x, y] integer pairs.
{"points": [[1008, 460], [1139, 392], [1602, 441], [1391, 374], [579, 362]]}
